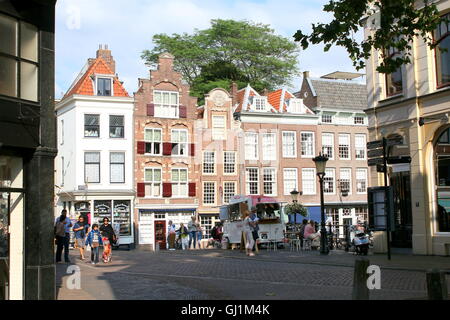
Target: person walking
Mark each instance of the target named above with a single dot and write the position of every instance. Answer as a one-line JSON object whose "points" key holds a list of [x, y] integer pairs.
{"points": [[81, 229], [171, 235], [62, 235], [192, 229], [199, 235], [248, 231], [94, 239], [183, 232], [108, 238], [254, 218]]}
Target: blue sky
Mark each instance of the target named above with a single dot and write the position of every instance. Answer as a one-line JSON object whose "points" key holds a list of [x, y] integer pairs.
{"points": [[128, 26]]}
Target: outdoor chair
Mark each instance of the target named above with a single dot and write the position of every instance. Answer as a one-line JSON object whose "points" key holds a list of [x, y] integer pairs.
{"points": [[307, 244]]}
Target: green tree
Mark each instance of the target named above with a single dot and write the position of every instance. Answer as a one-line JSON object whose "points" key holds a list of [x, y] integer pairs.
{"points": [[240, 51], [399, 22]]}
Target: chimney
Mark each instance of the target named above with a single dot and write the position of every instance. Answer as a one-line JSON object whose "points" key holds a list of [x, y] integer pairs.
{"points": [[234, 89], [165, 62], [105, 54], [305, 74]]}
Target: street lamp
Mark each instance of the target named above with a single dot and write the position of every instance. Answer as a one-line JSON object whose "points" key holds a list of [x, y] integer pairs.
{"points": [[295, 194], [321, 162]]}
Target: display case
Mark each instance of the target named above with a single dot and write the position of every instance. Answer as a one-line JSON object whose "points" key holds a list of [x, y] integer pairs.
{"points": [[102, 209], [122, 216]]}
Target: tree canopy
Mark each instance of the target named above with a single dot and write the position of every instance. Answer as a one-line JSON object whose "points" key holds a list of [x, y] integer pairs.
{"points": [[240, 51], [399, 22]]}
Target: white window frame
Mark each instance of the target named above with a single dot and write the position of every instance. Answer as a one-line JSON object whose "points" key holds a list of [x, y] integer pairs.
{"points": [[273, 182], [186, 144], [159, 107], [359, 116], [234, 183], [179, 183], [332, 144], [304, 180], [221, 128], [334, 180], [285, 170], [349, 146], [254, 145], [124, 167], [296, 105], [104, 76], [260, 103], [365, 179], [209, 162], [327, 114], [248, 181], [99, 167], [208, 204], [349, 172], [285, 144], [363, 147], [225, 163], [146, 182], [153, 142], [302, 144], [269, 146]]}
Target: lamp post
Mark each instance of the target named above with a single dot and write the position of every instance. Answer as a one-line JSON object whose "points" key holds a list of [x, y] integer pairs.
{"points": [[294, 195], [321, 162]]}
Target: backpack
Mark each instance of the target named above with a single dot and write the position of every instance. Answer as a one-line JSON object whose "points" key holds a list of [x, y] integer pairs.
{"points": [[60, 229]]}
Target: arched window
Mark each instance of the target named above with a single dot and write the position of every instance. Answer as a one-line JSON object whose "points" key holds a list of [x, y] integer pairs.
{"points": [[441, 36], [442, 170]]}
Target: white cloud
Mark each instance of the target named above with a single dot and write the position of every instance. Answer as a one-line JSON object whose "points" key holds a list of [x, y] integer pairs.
{"points": [[128, 26]]}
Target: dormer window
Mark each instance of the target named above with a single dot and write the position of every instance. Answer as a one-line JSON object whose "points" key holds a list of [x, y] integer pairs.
{"points": [[104, 86], [259, 103], [296, 106]]}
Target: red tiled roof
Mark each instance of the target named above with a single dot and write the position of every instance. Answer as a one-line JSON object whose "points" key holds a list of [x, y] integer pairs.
{"points": [[240, 98], [274, 98], [84, 85]]}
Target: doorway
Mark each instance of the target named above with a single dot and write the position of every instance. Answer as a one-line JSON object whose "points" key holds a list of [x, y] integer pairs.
{"points": [[401, 183], [160, 234]]}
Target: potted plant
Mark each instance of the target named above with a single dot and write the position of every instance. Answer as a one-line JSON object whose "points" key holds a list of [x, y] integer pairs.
{"points": [[295, 207]]}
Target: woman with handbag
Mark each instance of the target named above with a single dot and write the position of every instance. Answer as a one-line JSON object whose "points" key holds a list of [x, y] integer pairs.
{"points": [[108, 238]]}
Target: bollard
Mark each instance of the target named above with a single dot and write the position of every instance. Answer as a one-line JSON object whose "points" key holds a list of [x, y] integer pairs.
{"points": [[360, 276], [436, 285]]}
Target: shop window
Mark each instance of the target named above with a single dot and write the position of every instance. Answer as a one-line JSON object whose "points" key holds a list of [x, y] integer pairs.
{"points": [[442, 151], [442, 38]]}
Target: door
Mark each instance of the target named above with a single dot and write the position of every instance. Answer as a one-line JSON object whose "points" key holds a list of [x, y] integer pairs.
{"points": [[402, 236], [160, 234]]}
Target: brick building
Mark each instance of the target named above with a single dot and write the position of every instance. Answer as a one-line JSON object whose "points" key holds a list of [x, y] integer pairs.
{"points": [[166, 176]]}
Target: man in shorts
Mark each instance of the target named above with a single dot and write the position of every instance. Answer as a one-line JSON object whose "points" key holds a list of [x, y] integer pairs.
{"points": [[81, 229]]}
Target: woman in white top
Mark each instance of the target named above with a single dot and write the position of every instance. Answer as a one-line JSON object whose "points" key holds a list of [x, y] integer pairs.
{"points": [[248, 228]]}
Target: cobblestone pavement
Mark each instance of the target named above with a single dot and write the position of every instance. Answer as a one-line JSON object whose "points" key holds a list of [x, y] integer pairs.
{"points": [[222, 275]]}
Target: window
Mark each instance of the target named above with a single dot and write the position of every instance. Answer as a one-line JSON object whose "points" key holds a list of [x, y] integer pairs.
{"points": [[442, 37], [166, 104], [259, 103], [394, 80], [270, 182], [116, 126], [296, 106], [361, 180], [117, 167], [62, 171], [360, 146], [269, 146], [209, 162], [152, 180], [179, 142], [92, 167], [179, 182], [153, 141], [104, 86], [290, 180], [218, 127], [307, 144], [62, 132], [442, 184], [358, 120], [309, 181], [207, 224], [289, 144], [327, 118], [229, 162], [91, 126], [328, 181], [19, 66], [209, 192], [328, 145], [229, 190], [252, 181], [344, 146], [345, 181], [251, 146]]}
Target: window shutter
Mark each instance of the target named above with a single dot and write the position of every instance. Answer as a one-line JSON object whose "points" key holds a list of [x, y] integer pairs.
{"points": [[141, 190], [140, 147], [151, 110], [167, 190], [192, 192], [192, 150], [167, 149], [183, 111]]}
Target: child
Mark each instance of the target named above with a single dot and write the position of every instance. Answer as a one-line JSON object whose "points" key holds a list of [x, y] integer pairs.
{"points": [[94, 239]]}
